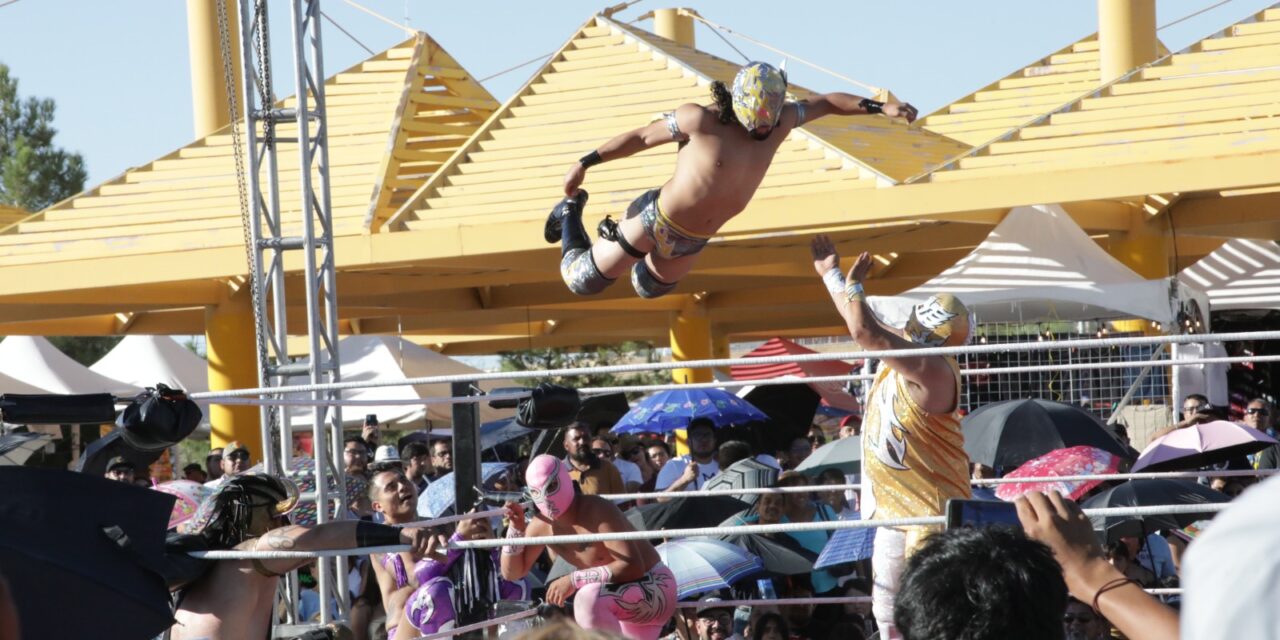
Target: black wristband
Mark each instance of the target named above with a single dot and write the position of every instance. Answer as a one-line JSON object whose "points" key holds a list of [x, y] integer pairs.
{"points": [[871, 106], [370, 534], [590, 160]]}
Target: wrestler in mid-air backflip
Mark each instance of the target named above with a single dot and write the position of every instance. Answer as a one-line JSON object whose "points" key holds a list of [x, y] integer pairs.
{"points": [[913, 457], [725, 151], [619, 586]]}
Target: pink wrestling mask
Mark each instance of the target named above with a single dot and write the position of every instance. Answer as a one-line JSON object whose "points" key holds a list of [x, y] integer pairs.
{"points": [[549, 484]]}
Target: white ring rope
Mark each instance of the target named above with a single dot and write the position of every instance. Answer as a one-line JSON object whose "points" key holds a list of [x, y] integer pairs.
{"points": [[1014, 347], [483, 624], [727, 384], [786, 527]]}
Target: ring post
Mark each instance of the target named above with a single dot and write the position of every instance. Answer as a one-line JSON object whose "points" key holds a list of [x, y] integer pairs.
{"points": [[466, 448]]}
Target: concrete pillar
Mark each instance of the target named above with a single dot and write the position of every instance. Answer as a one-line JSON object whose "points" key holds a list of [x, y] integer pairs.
{"points": [[1126, 35], [669, 24], [690, 331], [231, 347], [208, 78]]}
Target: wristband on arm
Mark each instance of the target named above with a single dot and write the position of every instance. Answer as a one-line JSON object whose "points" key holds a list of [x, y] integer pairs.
{"points": [[871, 106], [370, 534], [584, 577], [834, 281], [590, 160], [853, 291], [511, 549]]}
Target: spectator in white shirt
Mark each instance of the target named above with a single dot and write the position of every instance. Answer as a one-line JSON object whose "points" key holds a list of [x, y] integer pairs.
{"points": [[631, 477], [689, 472]]}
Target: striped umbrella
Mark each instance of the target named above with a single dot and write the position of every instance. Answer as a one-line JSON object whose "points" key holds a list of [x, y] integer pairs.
{"points": [[701, 564]]}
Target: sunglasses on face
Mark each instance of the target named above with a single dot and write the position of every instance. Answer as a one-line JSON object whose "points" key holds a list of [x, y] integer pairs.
{"points": [[1081, 618], [1257, 411], [602, 452], [1194, 408], [239, 455]]}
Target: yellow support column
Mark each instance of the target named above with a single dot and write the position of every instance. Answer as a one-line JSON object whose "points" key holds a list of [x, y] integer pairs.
{"points": [[1145, 247], [231, 347], [720, 348], [1126, 35], [690, 331], [674, 26], [208, 78]]}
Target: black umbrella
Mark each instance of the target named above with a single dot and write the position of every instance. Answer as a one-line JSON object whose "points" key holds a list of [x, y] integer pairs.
{"points": [[782, 554], [1007, 434], [16, 448], [685, 513], [743, 474], [88, 542], [100, 451], [1148, 492]]}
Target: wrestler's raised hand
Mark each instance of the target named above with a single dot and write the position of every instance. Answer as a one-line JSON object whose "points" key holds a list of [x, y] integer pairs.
{"points": [[514, 513], [861, 268], [418, 539], [560, 589], [825, 256], [573, 179], [900, 110]]}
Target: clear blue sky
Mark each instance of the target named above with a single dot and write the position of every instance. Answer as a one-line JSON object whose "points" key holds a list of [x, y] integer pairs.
{"points": [[118, 69]]}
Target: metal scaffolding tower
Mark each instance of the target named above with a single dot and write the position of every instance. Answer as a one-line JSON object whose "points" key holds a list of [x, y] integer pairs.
{"points": [[270, 241]]}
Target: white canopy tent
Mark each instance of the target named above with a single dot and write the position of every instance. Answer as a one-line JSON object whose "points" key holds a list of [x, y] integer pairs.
{"points": [[367, 358], [147, 360], [1038, 265], [1241, 274], [36, 362], [10, 384]]}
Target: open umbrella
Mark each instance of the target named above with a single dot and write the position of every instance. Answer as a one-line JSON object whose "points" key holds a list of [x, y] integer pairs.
{"points": [[1146, 492], [1007, 434], [844, 454], [187, 498], [702, 565], [1201, 445], [748, 473], [438, 499], [17, 448], [780, 553], [71, 538], [101, 451], [1072, 461], [666, 411], [847, 545], [686, 513]]}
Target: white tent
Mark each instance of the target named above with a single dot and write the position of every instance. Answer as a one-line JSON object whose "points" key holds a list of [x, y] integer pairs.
{"points": [[1241, 274], [147, 360], [13, 385], [1036, 265], [35, 361], [366, 358]]}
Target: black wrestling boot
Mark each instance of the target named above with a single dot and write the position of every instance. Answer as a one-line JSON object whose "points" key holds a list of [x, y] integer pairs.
{"points": [[571, 235]]}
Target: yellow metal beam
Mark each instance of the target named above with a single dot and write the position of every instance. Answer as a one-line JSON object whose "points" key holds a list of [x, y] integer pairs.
{"points": [[233, 364]]}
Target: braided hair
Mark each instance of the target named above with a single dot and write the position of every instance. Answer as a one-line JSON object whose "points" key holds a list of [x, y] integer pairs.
{"points": [[228, 513], [723, 99]]}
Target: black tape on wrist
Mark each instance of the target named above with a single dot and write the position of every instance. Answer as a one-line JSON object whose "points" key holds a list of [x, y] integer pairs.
{"points": [[370, 534], [590, 160], [871, 106]]}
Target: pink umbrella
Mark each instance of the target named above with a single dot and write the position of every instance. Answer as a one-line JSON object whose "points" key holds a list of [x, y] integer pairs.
{"points": [[189, 496], [1201, 445], [1072, 461]]}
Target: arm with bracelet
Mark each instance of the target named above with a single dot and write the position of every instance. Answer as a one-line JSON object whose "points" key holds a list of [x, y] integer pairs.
{"points": [[847, 104], [516, 560], [346, 534], [672, 127]]}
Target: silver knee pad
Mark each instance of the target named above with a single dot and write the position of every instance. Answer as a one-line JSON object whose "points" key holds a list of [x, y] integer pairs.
{"points": [[580, 273], [648, 285]]}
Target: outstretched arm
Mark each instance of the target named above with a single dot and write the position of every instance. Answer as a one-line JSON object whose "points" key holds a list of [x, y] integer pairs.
{"points": [[933, 381], [347, 534], [633, 142], [847, 104]]}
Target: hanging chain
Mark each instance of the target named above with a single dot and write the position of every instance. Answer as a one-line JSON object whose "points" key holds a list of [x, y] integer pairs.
{"points": [[266, 97], [242, 183]]}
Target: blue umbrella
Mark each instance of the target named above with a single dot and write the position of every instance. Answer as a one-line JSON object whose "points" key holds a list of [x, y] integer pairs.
{"points": [[666, 411], [438, 499], [846, 545], [497, 432], [702, 565]]}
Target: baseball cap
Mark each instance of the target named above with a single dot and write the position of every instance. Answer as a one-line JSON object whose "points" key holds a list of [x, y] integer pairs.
{"points": [[386, 453], [234, 446], [119, 461], [711, 602]]}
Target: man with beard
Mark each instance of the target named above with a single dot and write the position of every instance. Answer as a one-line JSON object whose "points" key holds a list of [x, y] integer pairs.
{"points": [[594, 475], [234, 461], [424, 593], [620, 586], [233, 598], [689, 472], [725, 152], [913, 457]]}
